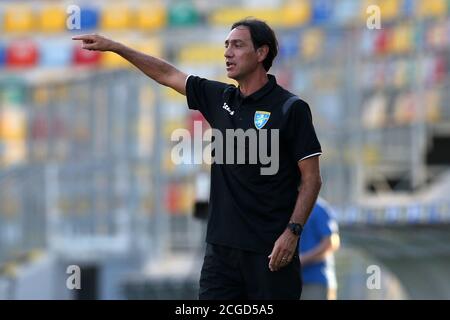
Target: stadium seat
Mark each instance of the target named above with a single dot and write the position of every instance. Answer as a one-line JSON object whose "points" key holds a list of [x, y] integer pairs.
{"points": [[187, 198], [322, 11], [431, 8], [21, 53], [402, 39], [18, 18], [289, 46], [296, 13], [52, 18], [383, 42], [173, 198], [367, 43], [55, 53], [347, 11], [312, 43], [150, 16], [152, 46], [437, 37], [227, 16], [89, 18], [183, 14], [201, 53], [112, 60], [85, 57], [2, 54], [13, 131], [116, 17], [12, 125], [390, 9], [408, 8]]}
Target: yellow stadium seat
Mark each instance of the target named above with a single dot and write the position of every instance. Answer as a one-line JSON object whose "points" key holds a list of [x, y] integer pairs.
{"points": [[52, 18], [296, 13], [168, 164], [12, 125], [389, 9], [202, 53], [187, 198], [150, 16], [116, 16], [112, 60], [172, 95], [402, 39], [432, 8], [227, 16], [18, 18], [312, 42], [152, 46]]}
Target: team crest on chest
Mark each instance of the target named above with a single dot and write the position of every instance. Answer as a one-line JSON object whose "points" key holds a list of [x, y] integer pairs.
{"points": [[261, 118]]}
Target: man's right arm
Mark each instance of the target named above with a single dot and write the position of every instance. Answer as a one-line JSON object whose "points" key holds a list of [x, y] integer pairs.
{"points": [[157, 69]]}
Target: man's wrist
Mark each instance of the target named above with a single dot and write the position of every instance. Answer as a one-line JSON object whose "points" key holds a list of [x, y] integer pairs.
{"points": [[295, 228], [116, 47]]}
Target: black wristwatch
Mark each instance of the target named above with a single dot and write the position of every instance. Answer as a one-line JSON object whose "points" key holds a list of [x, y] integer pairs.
{"points": [[296, 228]]}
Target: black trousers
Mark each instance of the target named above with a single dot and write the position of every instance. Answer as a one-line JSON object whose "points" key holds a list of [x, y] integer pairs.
{"points": [[229, 274]]}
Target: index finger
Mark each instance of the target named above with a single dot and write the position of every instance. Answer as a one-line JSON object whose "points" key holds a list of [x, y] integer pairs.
{"points": [[274, 258], [83, 37]]}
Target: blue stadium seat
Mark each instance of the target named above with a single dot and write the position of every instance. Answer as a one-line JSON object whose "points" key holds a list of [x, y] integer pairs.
{"points": [[2, 55], [322, 11], [89, 18], [55, 53]]}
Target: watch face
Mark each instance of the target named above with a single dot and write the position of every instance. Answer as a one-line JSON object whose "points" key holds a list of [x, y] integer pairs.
{"points": [[295, 228]]}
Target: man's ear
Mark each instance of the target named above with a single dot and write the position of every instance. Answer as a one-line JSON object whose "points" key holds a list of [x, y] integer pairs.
{"points": [[262, 52]]}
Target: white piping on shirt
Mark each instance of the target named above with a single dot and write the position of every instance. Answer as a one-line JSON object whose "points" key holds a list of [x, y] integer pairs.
{"points": [[185, 82], [311, 155]]}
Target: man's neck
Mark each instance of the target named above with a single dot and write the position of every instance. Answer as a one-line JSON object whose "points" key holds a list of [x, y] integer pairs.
{"points": [[253, 83]]}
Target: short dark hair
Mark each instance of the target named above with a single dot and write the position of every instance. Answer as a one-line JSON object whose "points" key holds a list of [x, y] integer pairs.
{"points": [[261, 35]]}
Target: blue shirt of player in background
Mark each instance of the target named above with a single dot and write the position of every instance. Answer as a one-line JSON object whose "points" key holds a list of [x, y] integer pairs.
{"points": [[321, 223]]}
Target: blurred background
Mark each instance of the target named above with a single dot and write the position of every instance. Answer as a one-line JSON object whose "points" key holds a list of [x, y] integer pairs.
{"points": [[86, 176]]}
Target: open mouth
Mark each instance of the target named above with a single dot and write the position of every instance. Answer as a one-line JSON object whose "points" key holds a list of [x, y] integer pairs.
{"points": [[230, 65]]}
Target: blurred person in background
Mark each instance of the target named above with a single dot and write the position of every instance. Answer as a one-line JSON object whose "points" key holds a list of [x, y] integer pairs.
{"points": [[319, 241], [255, 220]]}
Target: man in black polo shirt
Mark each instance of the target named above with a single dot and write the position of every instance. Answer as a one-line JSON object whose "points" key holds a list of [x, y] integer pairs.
{"points": [[257, 209]]}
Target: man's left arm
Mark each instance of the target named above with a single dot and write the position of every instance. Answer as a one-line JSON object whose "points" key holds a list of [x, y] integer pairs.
{"points": [[310, 185]]}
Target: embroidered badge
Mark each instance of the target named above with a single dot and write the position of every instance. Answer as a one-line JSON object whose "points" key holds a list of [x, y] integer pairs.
{"points": [[261, 118]]}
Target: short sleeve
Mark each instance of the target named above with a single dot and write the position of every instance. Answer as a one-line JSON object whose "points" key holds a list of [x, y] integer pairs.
{"points": [[300, 132], [326, 223], [204, 95]]}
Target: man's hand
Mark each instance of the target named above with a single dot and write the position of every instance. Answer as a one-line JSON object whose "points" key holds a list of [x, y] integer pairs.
{"points": [[283, 250], [96, 42]]}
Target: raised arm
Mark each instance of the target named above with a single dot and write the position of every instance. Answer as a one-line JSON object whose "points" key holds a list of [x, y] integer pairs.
{"points": [[159, 70]]}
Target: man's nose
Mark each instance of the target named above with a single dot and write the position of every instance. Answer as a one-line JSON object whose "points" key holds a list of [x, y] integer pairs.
{"points": [[228, 53]]}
